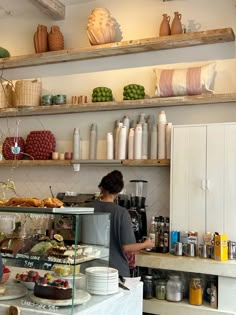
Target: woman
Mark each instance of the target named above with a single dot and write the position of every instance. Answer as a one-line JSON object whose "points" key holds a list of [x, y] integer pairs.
{"points": [[122, 237]]}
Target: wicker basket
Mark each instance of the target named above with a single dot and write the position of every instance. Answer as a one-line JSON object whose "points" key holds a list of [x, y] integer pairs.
{"points": [[6, 95], [27, 93]]}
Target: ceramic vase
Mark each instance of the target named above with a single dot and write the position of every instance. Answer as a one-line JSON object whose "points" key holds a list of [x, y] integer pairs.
{"points": [[55, 39], [176, 26], [101, 27], [41, 39], [165, 26]]}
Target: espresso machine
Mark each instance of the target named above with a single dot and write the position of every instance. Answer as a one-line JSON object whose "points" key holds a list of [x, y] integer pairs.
{"points": [[134, 201]]}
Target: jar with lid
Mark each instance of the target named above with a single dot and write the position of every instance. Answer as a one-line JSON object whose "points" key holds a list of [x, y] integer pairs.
{"points": [[160, 289], [195, 291], [174, 289], [147, 287]]}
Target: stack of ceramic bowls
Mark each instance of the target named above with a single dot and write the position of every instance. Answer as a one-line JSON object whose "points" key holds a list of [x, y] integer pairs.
{"points": [[102, 280]]}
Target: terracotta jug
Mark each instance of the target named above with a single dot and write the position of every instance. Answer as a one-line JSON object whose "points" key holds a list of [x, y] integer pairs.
{"points": [[41, 39], [165, 26], [55, 39], [176, 26]]}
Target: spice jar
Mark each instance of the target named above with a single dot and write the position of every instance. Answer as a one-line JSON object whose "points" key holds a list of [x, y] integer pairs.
{"points": [[160, 290], [174, 289], [147, 287], [195, 291]]}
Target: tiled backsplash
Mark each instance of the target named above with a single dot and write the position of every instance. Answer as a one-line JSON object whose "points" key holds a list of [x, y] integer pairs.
{"points": [[35, 181]]}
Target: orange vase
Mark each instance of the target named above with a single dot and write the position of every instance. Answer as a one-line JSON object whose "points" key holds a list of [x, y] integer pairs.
{"points": [[176, 26], [165, 26], [41, 39], [55, 39]]}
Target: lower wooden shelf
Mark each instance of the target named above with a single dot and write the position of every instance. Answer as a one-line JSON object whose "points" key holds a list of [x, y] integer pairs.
{"points": [[162, 307], [84, 162]]}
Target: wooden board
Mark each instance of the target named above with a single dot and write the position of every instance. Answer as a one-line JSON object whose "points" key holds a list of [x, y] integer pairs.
{"points": [[121, 48], [120, 105]]}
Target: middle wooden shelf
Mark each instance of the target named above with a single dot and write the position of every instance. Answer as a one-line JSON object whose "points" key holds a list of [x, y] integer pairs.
{"points": [[119, 105]]}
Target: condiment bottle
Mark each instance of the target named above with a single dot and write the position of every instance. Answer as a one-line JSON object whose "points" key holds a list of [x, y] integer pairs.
{"points": [[147, 287], [160, 290], [195, 291], [174, 289]]}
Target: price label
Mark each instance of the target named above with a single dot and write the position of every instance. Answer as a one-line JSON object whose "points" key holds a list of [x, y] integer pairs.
{"points": [[29, 264]]}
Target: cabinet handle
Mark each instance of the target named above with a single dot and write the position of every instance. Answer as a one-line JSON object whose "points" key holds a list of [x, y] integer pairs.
{"points": [[203, 184]]}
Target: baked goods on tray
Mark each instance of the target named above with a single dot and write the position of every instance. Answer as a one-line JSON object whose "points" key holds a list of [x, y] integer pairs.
{"points": [[24, 202], [32, 202]]}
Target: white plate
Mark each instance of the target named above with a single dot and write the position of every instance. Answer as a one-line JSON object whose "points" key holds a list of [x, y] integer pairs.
{"points": [[99, 292], [13, 292], [79, 298], [102, 271]]}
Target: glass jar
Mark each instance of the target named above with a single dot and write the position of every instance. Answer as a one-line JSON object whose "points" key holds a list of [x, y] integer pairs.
{"points": [[174, 289], [147, 287], [195, 291], [160, 290]]}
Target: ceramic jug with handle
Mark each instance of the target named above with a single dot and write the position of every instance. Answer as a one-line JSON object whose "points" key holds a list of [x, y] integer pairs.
{"points": [[176, 25]]}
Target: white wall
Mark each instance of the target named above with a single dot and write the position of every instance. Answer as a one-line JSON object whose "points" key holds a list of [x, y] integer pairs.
{"points": [[138, 19]]}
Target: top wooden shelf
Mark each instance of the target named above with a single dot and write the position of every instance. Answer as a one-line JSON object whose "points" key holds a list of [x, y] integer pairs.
{"points": [[121, 48]]}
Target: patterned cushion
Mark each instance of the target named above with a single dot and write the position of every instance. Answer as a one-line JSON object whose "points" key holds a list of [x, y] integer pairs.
{"points": [[188, 81]]}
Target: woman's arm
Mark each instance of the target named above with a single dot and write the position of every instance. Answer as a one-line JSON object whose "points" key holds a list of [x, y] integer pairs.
{"points": [[148, 243]]}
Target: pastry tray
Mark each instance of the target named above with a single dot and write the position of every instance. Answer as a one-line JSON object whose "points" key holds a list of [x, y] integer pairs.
{"points": [[62, 210]]}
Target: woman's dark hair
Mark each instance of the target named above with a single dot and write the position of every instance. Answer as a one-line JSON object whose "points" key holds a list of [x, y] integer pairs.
{"points": [[112, 182]]}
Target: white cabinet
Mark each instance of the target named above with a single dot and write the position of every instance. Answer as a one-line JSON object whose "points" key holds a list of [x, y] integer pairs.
{"points": [[203, 178]]}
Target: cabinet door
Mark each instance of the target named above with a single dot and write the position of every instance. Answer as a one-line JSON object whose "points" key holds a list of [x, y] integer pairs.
{"points": [[221, 179], [188, 170]]}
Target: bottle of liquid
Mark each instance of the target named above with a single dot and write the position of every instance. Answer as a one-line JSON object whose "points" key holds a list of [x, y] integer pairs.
{"points": [[166, 236], [160, 247], [152, 232]]}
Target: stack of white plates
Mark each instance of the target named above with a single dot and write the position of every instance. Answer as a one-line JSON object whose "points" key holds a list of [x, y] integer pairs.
{"points": [[102, 280]]}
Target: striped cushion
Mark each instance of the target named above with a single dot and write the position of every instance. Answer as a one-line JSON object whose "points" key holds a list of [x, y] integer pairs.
{"points": [[189, 81]]}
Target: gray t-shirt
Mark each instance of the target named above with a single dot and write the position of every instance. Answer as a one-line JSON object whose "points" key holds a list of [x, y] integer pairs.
{"points": [[121, 233]]}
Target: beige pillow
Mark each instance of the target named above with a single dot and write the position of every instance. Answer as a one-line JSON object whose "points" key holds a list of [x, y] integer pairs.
{"points": [[188, 81]]}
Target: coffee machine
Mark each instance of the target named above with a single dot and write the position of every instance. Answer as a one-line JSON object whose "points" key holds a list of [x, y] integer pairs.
{"points": [[134, 201]]}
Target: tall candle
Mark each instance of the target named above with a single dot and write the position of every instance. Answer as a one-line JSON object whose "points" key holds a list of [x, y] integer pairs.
{"points": [[138, 142], [131, 144], [93, 142], [122, 144], [76, 144], [153, 150], [110, 144], [168, 140], [144, 141]]}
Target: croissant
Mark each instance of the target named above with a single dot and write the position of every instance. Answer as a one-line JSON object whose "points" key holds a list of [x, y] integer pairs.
{"points": [[52, 203], [24, 202]]}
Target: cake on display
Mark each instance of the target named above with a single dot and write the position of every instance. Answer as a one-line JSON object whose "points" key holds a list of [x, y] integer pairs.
{"points": [[54, 289]]}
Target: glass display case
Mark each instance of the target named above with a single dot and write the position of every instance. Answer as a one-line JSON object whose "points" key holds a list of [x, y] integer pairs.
{"points": [[46, 252]]}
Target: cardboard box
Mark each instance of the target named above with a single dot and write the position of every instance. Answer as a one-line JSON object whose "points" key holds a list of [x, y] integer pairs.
{"points": [[221, 247]]}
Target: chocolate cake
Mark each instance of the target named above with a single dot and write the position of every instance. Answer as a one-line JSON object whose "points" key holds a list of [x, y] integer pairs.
{"points": [[56, 290]]}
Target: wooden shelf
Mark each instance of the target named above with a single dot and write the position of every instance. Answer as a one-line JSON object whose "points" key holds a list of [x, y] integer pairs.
{"points": [[155, 306], [17, 163], [121, 48], [187, 264], [121, 105]]}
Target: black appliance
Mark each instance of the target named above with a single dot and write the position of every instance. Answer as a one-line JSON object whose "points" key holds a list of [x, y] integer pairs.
{"points": [[134, 202]]}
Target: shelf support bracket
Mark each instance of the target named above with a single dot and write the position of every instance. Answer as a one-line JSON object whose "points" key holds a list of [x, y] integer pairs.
{"points": [[53, 8]]}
